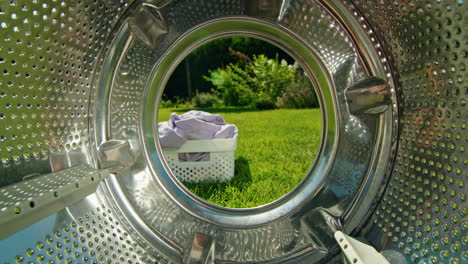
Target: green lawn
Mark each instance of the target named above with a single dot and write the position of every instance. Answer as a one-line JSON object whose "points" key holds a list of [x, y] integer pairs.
{"points": [[275, 150]]}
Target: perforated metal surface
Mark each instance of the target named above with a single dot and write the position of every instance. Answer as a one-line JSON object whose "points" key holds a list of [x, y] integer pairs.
{"points": [[48, 57], [318, 27], [87, 233], [423, 213], [50, 184], [29, 201], [138, 65], [53, 56]]}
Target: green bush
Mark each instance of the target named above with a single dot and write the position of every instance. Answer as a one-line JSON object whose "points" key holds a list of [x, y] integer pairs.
{"points": [[205, 100], [263, 83], [233, 85], [271, 77], [166, 104], [176, 102], [264, 104], [299, 94]]}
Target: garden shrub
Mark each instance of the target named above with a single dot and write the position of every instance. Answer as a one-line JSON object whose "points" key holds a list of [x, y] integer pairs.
{"points": [[233, 85], [263, 83], [264, 102], [271, 77], [176, 102], [166, 104], [299, 94], [205, 100]]}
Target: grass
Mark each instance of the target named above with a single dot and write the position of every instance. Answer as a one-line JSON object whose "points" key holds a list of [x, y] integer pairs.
{"points": [[275, 150]]}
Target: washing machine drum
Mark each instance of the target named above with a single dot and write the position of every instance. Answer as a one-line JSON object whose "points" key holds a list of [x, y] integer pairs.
{"points": [[84, 180]]}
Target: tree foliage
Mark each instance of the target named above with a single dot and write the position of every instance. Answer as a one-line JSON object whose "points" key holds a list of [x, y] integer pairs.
{"points": [[216, 54], [233, 85]]}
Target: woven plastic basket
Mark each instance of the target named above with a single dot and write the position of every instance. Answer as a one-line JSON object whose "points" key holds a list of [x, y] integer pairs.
{"points": [[219, 167]]}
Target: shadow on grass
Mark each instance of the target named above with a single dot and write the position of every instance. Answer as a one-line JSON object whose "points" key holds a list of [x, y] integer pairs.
{"points": [[241, 180]]}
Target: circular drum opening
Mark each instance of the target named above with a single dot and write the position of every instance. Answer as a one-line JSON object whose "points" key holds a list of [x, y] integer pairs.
{"points": [[358, 114], [264, 115], [313, 67]]}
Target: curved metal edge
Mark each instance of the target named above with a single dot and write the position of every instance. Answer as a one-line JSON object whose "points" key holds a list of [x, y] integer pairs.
{"points": [[148, 237], [104, 84], [99, 136], [116, 46], [216, 214], [243, 214], [373, 57]]}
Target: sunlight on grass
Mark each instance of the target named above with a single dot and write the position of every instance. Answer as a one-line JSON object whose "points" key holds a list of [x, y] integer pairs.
{"points": [[276, 148]]}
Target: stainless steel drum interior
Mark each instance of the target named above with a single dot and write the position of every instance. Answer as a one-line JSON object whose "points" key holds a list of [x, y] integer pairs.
{"points": [[82, 174]]}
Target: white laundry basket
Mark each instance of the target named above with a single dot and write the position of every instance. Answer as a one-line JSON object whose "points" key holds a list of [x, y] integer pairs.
{"points": [[219, 167]]}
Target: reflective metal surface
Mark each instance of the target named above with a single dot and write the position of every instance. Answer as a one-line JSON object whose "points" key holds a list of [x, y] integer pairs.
{"points": [[296, 226], [29, 201], [48, 58], [203, 249], [423, 213], [368, 97], [80, 83], [87, 232]]}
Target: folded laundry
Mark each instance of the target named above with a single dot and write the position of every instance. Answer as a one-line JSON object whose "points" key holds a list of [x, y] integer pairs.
{"points": [[193, 125]]}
